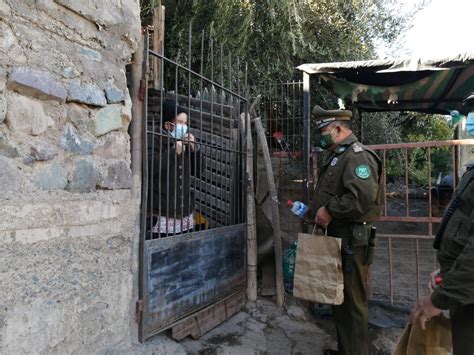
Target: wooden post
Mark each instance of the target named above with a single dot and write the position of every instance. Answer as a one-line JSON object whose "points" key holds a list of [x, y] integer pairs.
{"points": [[251, 223], [158, 40], [137, 87], [280, 293]]}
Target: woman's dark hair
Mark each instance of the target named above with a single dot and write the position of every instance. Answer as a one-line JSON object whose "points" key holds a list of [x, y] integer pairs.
{"points": [[170, 111]]}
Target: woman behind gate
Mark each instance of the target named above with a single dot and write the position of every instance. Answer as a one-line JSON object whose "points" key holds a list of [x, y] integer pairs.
{"points": [[173, 158]]}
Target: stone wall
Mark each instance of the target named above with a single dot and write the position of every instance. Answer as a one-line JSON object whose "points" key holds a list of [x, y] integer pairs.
{"points": [[67, 225]]}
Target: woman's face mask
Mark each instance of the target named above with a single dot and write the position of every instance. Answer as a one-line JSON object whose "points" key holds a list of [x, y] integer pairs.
{"points": [[179, 131]]}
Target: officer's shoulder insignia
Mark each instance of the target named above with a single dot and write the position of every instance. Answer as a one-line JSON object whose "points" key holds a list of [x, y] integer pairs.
{"points": [[357, 148], [362, 171]]}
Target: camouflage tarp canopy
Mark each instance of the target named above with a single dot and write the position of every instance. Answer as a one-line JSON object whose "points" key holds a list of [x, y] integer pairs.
{"points": [[423, 85]]}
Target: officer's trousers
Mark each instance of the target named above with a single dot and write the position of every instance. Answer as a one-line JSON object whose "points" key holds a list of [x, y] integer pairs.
{"points": [[462, 329], [351, 317]]}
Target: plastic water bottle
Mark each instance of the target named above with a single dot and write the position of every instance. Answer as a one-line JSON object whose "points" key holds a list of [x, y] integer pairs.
{"points": [[298, 208]]}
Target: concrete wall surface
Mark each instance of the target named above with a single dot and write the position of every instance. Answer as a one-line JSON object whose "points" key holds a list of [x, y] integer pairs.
{"points": [[67, 214]]}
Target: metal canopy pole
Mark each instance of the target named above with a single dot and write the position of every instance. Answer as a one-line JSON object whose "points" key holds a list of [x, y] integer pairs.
{"points": [[306, 134]]}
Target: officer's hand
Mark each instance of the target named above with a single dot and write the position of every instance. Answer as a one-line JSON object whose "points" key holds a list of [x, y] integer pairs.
{"points": [[323, 218], [432, 282], [423, 311]]}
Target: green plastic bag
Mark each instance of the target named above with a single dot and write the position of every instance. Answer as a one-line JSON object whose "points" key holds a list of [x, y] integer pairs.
{"points": [[289, 258]]}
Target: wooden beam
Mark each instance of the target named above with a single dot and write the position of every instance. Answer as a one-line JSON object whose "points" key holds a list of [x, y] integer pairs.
{"points": [[280, 293], [158, 41], [251, 217]]}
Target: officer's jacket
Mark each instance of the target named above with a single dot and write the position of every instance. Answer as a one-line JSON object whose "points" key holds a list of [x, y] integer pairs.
{"points": [[349, 186], [456, 254]]}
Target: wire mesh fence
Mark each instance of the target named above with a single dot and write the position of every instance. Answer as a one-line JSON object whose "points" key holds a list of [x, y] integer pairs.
{"points": [[281, 110]]}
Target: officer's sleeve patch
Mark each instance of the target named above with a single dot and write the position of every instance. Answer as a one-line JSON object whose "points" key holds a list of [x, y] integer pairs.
{"points": [[362, 171]]}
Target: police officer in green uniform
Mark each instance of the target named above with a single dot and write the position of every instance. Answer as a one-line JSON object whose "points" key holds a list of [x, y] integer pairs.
{"points": [[455, 244], [348, 198]]}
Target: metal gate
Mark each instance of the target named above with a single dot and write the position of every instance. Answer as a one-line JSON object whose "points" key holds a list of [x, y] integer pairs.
{"points": [[193, 239], [418, 182]]}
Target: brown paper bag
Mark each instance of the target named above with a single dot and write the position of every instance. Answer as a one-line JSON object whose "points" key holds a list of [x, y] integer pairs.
{"points": [[435, 340], [318, 270]]}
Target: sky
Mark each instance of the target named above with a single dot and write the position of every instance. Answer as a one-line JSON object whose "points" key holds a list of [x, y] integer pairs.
{"points": [[443, 28]]}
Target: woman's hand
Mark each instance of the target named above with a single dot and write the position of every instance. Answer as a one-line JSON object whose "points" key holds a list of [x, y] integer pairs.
{"points": [[179, 147], [189, 139]]}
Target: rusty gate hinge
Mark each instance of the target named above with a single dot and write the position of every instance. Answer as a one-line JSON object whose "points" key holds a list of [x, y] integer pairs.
{"points": [[139, 311]]}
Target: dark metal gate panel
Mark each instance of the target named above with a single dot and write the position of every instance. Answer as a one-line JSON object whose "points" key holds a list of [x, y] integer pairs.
{"points": [[188, 272]]}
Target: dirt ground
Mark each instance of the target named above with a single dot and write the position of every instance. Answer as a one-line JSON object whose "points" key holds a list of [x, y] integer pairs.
{"points": [[263, 328]]}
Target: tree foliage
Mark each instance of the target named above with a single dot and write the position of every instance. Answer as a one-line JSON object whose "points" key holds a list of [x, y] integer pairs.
{"points": [[274, 36]]}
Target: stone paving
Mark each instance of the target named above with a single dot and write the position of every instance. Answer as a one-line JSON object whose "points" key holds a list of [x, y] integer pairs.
{"points": [[263, 328]]}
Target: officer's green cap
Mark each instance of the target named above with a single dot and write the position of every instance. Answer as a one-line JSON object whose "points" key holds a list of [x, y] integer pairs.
{"points": [[325, 117]]}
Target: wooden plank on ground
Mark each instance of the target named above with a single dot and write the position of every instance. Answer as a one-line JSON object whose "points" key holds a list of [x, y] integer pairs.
{"points": [[203, 321]]}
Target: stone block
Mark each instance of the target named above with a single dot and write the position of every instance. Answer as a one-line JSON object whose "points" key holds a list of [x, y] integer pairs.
{"points": [[87, 94], [3, 108], [4, 11], [117, 176], [29, 236], [26, 115], [106, 120], [79, 116], [10, 177], [7, 148], [107, 13], [90, 212], [52, 177], [42, 151], [28, 160], [37, 84], [84, 178], [114, 95], [126, 112], [102, 228], [115, 146], [297, 313], [7, 37], [90, 54], [70, 73], [71, 141]]}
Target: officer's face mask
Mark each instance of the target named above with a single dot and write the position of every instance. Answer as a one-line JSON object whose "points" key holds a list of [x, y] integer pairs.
{"points": [[325, 140], [179, 131], [470, 123]]}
